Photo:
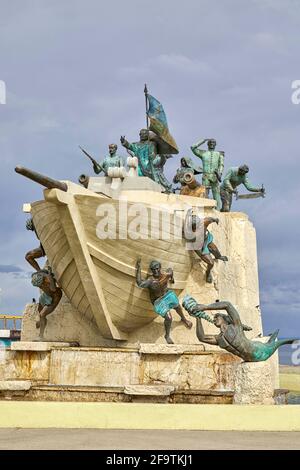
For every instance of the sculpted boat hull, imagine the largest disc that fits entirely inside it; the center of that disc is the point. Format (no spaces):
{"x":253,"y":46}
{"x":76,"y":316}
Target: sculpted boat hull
{"x":98,"y":275}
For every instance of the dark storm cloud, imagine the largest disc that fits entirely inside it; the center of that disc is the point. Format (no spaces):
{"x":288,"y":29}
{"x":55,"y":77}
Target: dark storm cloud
{"x":75,"y":72}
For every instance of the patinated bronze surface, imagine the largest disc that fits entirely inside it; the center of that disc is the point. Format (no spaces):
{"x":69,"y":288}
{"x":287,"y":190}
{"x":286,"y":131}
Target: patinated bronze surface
{"x":232,"y":337}
{"x":49,"y":299}
{"x":191,"y":187}
{"x":213,"y":165}
{"x":162,"y":298}
{"x":151,"y":163}
{"x":234,"y":177}
{"x":112,"y":160}
{"x":196,"y":232}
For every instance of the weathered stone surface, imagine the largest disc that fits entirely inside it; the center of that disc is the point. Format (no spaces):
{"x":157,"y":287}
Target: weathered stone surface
{"x":111,"y":367}
{"x":25,"y":365}
{"x":146,"y":348}
{"x":15,"y":385}
{"x":94,"y":367}
{"x":203,"y":370}
{"x":117,"y":394}
{"x":152,"y":390}
{"x":37,"y":345}
{"x":254,"y":384}
{"x":65,"y":324}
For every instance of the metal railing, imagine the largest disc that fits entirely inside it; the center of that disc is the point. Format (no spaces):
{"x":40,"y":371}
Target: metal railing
{"x":6,"y":321}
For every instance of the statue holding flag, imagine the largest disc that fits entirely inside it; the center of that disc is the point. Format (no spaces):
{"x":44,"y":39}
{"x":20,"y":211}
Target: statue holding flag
{"x":156,"y":144}
{"x":145,"y":150}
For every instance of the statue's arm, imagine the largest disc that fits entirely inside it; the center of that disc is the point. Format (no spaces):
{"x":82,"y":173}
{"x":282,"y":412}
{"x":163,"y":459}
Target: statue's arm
{"x":170,"y":273}
{"x":210,"y":220}
{"x":195,"y":148}
{"x":221,"y":164}
{"x":138,"y":276}
{"x":127,"y":144}
{"x":209,"y":339}
{"x":250,"y":186}
{"x":52,"y":283}
{"x":232,"y":312}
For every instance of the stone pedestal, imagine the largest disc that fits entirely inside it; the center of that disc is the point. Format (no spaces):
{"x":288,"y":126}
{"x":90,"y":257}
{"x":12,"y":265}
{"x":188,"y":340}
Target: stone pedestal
{"x":150,"y":372}
{"x":254,"y":384}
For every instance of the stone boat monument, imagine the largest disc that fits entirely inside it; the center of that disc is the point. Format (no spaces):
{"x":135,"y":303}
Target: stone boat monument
{"x":118,"y":269}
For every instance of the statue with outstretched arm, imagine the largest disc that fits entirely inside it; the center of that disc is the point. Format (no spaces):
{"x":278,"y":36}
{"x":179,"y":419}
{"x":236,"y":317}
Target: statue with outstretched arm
{"x":196,"y":231}
{"x":162,"y":298}
{"x":232,"y":337}
{"x":234,"y":177}
{"x":145,"y":150}
{"x":213,"y":165}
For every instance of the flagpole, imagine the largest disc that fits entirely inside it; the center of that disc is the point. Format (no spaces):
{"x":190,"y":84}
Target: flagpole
{"x":146,"y":104}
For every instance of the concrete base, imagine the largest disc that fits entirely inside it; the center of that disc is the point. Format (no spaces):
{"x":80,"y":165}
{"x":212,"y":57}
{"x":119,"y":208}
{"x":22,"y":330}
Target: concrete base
{"x":39,"y":415}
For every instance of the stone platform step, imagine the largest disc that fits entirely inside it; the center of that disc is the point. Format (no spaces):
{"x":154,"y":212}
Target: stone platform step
{"x":126,"y":394}
{"x":39,"y":345}
{"x":12,"y":389}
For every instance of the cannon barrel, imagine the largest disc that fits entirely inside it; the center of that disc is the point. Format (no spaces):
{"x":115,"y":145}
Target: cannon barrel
{"x":190,"y":180}
{"x":41,"y":179}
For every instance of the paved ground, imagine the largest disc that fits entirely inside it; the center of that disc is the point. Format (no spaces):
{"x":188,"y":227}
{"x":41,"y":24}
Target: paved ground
{"x":77,"y":439}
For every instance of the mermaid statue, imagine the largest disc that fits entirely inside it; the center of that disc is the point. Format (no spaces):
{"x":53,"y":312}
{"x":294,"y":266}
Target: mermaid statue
{"x":232,"y":337}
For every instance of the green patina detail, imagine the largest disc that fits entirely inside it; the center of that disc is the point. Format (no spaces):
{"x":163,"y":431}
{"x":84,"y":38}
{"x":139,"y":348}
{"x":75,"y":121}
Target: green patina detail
{"x":109,"y":162}
{"x":213,"y":165}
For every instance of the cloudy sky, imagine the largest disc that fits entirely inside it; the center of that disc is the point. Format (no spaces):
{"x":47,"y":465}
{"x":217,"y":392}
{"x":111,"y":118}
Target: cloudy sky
{"x":75,"y":70}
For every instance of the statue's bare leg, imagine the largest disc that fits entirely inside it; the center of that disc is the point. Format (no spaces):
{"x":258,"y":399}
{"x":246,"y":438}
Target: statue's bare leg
{"x":186,"y":322}
{"x":168,"y":323}
{"x":40,"y":308}
{"x":215,"y":251}
{"x":45,"y":311}
{"x":226,"y":201}
{"x":210,"y":264}
{"x":42,"y":323}
{"x":32,"y":255}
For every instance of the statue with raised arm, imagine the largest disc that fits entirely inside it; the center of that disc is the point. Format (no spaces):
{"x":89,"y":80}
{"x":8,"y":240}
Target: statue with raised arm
{"x":162,"y":298}
{"x":110,"y":161}
{"x":233,"y":178}
{"x":213,"y":165}
{"x":232,"y":337}
{"x":151,"y":163}
{"x":196,"y":232}
{"x":49,"y":299}
{"x":145,"y":150}
{"x":38,"y":252}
